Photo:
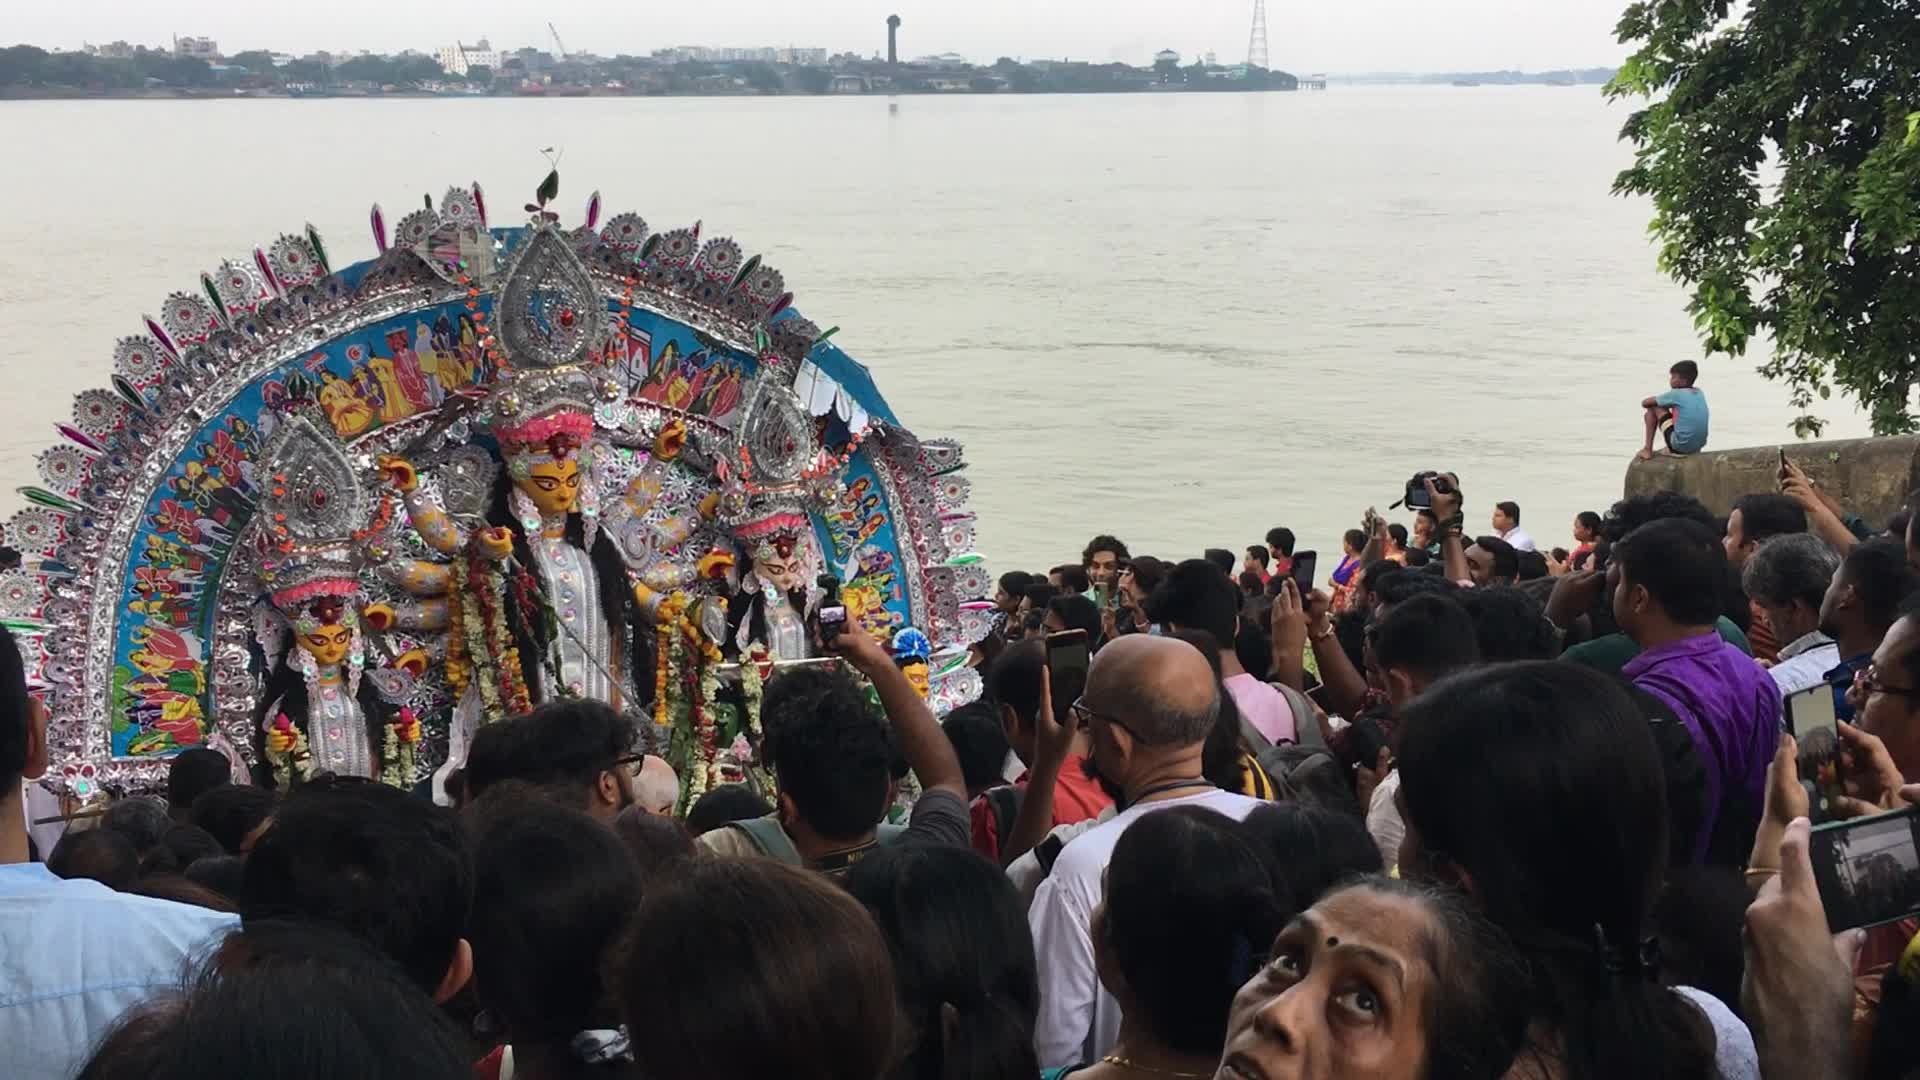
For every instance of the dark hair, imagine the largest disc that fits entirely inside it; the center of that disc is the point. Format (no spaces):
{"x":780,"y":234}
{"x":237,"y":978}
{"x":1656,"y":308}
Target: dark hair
{"x":655,"y":842}
{"x":183,"y":890}
{"x":1221,"y":558}
{"x":1253,"y":644}
{"x":231,"y":812}
{"x":1511,"y":509}
{"x":1561,"y":554}
{"x":1015,"y":582}
{"x":957,"y":932}
{"x":1013,"y":680}
{"x":1532,"y":566}
{"x":1897,"y":524}
{"x":223,"y":874}
{"x":192,"y":773}
{"x":373,"y":860}
{"x":1222,"y":757}
{"x":1417,"y":558}
{"x":979,"y":743}
{"x":15,"y":713}
{"x":1767,"y":515}
{"x":562,"y":747}
{"x":1687,"y":370}
{"x":1405,"y":585}
{"x":1508,"y":625}
{"x":1039,"y":593}
{"x":100,"y":855}
{"x":1377,"y":571}
{"x":1258,"y":553}
{"x":552,"y":889}
{"x":180,"y":847}
{"x":1878,"y":571}
{"x":1430,"y":636}
{"x":1540,"y":783}
{"x":1074,"y":579}
{"x":1630,"y":513}
{"x":1350,"y":630}
{"x":724,"y":804}
{"x":1105,"y":543}
{"x":314,"y":1006}
{"x":1148,"y":573}
{"x":828,"y":749}
{"x":1281,"y":538}
{"x":1355,"y":539}
{"x":1196,"y":597}
{"x":1398,"y":533}
{"x":1681,"y":565}
{"x":1589,"y":521}
{"x":1506,"y":558}
{"x":1250,"y":584}
{"x":1079,"y":613}
{"x":1790,"y":568}
{"x":753,"y":968}
{"x":143,"y":821}
{"x":1190,"y":902}
{"x":1699,"y":915}
{"x":1313,"y":848}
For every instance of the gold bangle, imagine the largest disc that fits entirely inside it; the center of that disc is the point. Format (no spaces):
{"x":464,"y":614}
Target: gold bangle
{"x":1761,"y":871}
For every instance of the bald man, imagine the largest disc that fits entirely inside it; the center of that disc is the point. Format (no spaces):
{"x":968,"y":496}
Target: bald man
{"x":1149,"y":705}
{"x":656,"y":787}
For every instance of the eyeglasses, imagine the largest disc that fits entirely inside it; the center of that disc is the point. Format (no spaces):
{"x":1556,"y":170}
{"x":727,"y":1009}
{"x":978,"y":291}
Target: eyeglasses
{"x":628,"y":761}
{"x":1868,"y":680}
{"x":1083,"y":715}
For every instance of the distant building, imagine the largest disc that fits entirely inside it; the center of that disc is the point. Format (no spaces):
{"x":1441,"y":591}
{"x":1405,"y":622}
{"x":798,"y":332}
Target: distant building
{"x":1166,"y":56}
{"x":459,"y":58}
{"x":197,"y":48}
{"x":802,"y":57}
{"x":119,"y":50}
{"x":848,"y":84}
{"x":944,"y":60}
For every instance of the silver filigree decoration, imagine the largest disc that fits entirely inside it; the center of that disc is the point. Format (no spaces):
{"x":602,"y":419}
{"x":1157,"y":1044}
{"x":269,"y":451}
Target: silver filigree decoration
{"x":98,"y":412}
{"x":20,"y":595}
{"x":137,"y":359}
{"x":550,"y":312}
{"x":63,"y":468}
{"x":34,"y":531}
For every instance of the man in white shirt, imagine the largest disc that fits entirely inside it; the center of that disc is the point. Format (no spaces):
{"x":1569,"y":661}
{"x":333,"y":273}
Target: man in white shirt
{"x":1415,"y":644}
{"x":1149,"y":704}
{"x":1506,"y":525}
{"x":74,"y":955}
{"x":1787,"y":577}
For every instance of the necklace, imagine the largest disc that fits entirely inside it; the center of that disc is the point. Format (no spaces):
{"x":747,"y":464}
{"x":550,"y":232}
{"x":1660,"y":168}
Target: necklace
{"x":1116,"y":1059}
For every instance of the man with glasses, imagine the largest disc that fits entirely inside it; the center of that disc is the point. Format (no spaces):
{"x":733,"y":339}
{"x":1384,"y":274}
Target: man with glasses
{"x":1860,"y":607}
{"x":1149,"y":705}
{"x":577,"y":751}
{"x":1886,"y":693}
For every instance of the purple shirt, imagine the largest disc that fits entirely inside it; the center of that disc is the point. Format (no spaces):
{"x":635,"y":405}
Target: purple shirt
{"x":1730,"y":706}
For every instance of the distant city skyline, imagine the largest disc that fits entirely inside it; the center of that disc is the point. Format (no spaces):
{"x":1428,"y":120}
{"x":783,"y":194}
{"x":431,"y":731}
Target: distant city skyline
{"x":1319,"y":35}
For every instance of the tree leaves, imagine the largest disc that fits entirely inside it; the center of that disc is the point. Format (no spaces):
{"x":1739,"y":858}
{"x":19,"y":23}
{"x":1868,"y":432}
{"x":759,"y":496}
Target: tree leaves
{"x":1781,"y":152}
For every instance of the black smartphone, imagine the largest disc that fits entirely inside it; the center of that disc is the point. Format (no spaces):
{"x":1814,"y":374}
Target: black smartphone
{"x":832,"y":616}
{"x":1814,"y":725}
{"x":1069,"y":655}
{"x":1783,"y":463}
{"x":1868,"y":869}
{"x":1365,"y":740}
{"x":1304,"y":565}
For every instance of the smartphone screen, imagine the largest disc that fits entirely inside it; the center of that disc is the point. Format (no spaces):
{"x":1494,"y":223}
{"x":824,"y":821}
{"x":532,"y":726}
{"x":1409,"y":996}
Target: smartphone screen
{"x":1069,"y":654}
{"x":1304,"y":565}
{"x":1868,"y":869}
{"x":1812,"y":722}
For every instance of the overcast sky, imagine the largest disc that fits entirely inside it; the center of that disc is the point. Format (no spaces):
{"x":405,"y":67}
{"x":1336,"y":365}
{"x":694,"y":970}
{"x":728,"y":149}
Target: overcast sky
{"x":1306,"y":35}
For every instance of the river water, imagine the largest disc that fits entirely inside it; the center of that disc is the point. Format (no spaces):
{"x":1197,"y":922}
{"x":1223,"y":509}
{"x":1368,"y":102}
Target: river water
{"x":1182,"y":318}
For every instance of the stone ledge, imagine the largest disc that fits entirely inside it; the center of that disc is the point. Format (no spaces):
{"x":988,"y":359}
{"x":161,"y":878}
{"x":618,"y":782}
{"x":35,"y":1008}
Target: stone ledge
{"x":1869,"y":477}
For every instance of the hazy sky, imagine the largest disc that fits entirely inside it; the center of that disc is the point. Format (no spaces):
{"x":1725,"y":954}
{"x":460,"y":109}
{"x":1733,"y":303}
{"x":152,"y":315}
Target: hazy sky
{"x":1305,"y":35}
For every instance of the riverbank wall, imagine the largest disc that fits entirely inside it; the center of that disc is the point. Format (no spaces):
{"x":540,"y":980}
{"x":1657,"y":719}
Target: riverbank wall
{"x":1869,"y":477}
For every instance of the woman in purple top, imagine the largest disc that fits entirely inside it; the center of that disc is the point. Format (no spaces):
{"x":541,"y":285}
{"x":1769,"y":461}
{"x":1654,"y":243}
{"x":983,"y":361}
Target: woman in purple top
{"x":1668,"y":599}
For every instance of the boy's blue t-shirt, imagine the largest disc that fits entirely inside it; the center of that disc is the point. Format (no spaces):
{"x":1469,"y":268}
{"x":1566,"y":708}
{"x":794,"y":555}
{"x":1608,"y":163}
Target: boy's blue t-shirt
{"x":1689,"y":407}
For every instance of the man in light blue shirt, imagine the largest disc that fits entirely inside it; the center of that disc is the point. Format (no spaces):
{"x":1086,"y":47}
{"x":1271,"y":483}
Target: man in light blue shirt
{"x":74,"y":955}
{"x":1680,"y":414}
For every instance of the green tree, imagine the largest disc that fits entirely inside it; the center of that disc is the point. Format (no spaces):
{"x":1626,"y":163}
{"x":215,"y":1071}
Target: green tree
{"x":256,"y":61}
{"x":1781,"y":150}
{"x":762,"y":77}
{"x":480,"y":75}
{"x":20,"y":65}
{"x":813,"y":80}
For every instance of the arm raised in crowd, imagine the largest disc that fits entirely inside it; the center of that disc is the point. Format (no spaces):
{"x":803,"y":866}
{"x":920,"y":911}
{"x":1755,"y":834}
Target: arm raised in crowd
{"x":1053,"y":743}
{"x":1290,"y":630}
{"x":1453,"y":549}
{"x":1798,"y":986}
{"x":1823,"y":514}
{"x":924,"y":745}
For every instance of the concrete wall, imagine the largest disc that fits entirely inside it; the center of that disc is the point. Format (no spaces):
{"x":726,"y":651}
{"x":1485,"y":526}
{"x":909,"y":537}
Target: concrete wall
{"x":1869,"y":477}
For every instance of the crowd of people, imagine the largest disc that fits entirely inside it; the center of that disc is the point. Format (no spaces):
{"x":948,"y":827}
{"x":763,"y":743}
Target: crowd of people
{"x":1456,"y":808}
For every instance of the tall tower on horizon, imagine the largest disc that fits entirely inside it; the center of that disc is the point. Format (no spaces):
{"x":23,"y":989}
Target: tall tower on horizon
{"x":1257,"y":40}
{"x":893,"y":41}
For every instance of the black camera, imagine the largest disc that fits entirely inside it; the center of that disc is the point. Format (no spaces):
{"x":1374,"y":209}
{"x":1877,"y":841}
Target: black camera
{"x":1417,"y":497}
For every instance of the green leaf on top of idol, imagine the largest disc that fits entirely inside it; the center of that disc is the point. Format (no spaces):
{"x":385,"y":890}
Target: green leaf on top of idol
{"x":40,"y":496}
{"x":213,"y":295}
{"x":24,"y":626}
{"x":824,"y":335}
{"x":647,"y":246}
{"x":953,"y":663}
{"x":129,"y":392}
{"x":319,"y":249}
{"x":428,"y":199}
{"x":748,"y":267}
{"x":971,"y":558}
{"x":549,"y":188}
{"x":761,"y":342}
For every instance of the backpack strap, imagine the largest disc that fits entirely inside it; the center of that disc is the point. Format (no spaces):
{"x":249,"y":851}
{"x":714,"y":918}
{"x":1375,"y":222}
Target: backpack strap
{"x":769,"y":839}
{"x":1004,"y":804}
{"x":1306,"y":724}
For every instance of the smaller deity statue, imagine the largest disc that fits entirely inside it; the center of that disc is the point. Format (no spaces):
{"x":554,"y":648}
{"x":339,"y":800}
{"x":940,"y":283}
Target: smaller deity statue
{"x":773,"y":601}
{"x":316,"y":713}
